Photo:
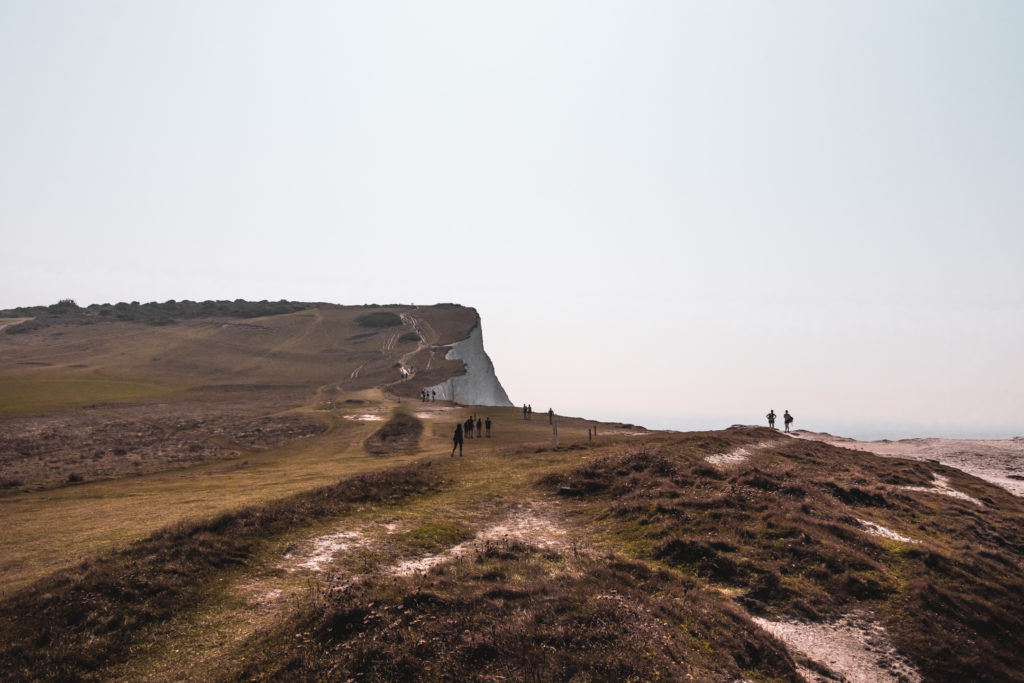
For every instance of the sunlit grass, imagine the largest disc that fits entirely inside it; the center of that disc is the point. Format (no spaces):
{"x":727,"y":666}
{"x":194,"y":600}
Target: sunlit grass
{"x":39,"y":395}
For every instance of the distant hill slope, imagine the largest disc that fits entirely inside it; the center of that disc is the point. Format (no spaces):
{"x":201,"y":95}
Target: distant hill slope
{"x":195,"y":346}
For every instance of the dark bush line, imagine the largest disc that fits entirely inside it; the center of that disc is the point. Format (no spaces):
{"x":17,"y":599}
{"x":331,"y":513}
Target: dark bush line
{"x":784,"y":530}
{"x":152,"y":313}
{"x":66,"y":626}
{"x":503,"y":615}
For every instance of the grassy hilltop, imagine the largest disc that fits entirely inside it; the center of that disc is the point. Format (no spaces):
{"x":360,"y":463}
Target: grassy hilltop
{"x":226,"y":496}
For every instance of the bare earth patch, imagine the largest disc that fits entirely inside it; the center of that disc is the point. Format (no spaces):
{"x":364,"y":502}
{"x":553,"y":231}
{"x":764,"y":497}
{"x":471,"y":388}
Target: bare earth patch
{"x":885,"y":532}
{"x":324,"y":548}
{"x":940,"y":485}
{"x":524,"y":525}
{"x":855,"y":647}
{"x":735,"y":456}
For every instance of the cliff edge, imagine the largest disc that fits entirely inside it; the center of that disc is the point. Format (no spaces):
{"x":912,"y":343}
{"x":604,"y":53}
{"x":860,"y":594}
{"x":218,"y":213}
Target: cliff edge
{"x":479,"y":386}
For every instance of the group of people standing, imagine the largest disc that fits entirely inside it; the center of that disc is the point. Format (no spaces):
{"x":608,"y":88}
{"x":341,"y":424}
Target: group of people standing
{"x":786,"y":418}
{"x":466,"y":429}
{"x":428,"y":395}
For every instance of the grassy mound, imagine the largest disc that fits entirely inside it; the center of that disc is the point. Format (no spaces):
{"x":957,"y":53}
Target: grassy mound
{"x":788,"y":535}
{"x":69,"y":625}
{"x":401,"y":434}
{"x":514,"y":612}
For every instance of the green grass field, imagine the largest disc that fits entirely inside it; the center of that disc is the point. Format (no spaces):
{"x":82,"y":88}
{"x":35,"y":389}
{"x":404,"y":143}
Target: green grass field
{"x":40,"y":395}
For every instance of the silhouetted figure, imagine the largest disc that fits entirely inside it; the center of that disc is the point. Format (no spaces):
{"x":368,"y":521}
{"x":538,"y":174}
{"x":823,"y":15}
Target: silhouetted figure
{"x":787,"y":419}
{"x":479,"y":427}
{"x":433,"y":395}
{"x":457,"y":441}
{"x":771,"y":419}
{"x":529,"y":412}
{"x":487,"y":425}
{"x":551,"y":415}
{"x":524,"y":411}
{"x":469,"y":428}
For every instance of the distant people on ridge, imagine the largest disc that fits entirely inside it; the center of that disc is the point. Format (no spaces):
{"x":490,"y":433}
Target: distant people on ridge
{"x":771,"y":418}
{"x":551,"y":415}
{"x":457,"y":440}
{"x":787,"y":419}
{"x":529,"y":411}
{"x":524,"y":411}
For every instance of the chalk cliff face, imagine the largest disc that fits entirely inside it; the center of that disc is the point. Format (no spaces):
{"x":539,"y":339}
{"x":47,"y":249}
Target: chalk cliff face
{"x":479,"y":386}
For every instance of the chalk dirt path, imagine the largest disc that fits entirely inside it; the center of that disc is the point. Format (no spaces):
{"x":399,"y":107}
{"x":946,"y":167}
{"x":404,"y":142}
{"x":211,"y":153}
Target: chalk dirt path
{"x":736,"y":456}
{"x":856,"y":648}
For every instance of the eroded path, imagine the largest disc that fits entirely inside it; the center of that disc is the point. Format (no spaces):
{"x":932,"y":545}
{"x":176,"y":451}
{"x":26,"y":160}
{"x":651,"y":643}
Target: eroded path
{"x":211,"y":642}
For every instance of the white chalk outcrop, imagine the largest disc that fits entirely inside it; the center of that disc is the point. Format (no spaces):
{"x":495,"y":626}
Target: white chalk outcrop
{"x":479,"y":386}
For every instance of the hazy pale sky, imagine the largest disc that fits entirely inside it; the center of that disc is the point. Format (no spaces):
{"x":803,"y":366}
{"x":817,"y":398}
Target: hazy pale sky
{"x":680,"y":213}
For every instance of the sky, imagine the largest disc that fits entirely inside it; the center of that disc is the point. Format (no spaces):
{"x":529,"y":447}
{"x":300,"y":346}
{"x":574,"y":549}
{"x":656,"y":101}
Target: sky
{"x":681,"y":214}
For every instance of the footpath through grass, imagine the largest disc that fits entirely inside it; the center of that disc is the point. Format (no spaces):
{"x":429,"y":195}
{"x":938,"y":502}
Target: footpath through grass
{"x":630,"y":557}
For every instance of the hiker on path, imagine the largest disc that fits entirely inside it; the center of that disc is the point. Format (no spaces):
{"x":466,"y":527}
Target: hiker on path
{"x":487,"y":424}
{"x":551,"y":415}
{"x":771,"y":419}
{"x":457,"y":441}
{"x":788,"y":419}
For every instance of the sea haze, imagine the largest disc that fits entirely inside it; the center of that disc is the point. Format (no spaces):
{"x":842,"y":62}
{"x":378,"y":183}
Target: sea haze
{"x":855,"y":429}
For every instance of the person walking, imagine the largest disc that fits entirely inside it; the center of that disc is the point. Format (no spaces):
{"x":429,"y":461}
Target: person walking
{"x":487,"y":425}
{"x":787,"y":419}
{"x":771,"y":419}
{"x":457,"y":440}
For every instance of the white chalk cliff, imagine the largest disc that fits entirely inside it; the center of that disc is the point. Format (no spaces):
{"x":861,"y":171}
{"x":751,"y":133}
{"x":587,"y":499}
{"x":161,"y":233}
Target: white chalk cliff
{"x":479,"y":386}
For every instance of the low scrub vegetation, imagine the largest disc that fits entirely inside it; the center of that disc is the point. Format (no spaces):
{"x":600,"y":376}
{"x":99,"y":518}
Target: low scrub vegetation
{"x":784,"y":531}
{"x":152,"y":313}
{"x":628,"y":557}
{"x":510,"y":611}
{"x":69,"y":625}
